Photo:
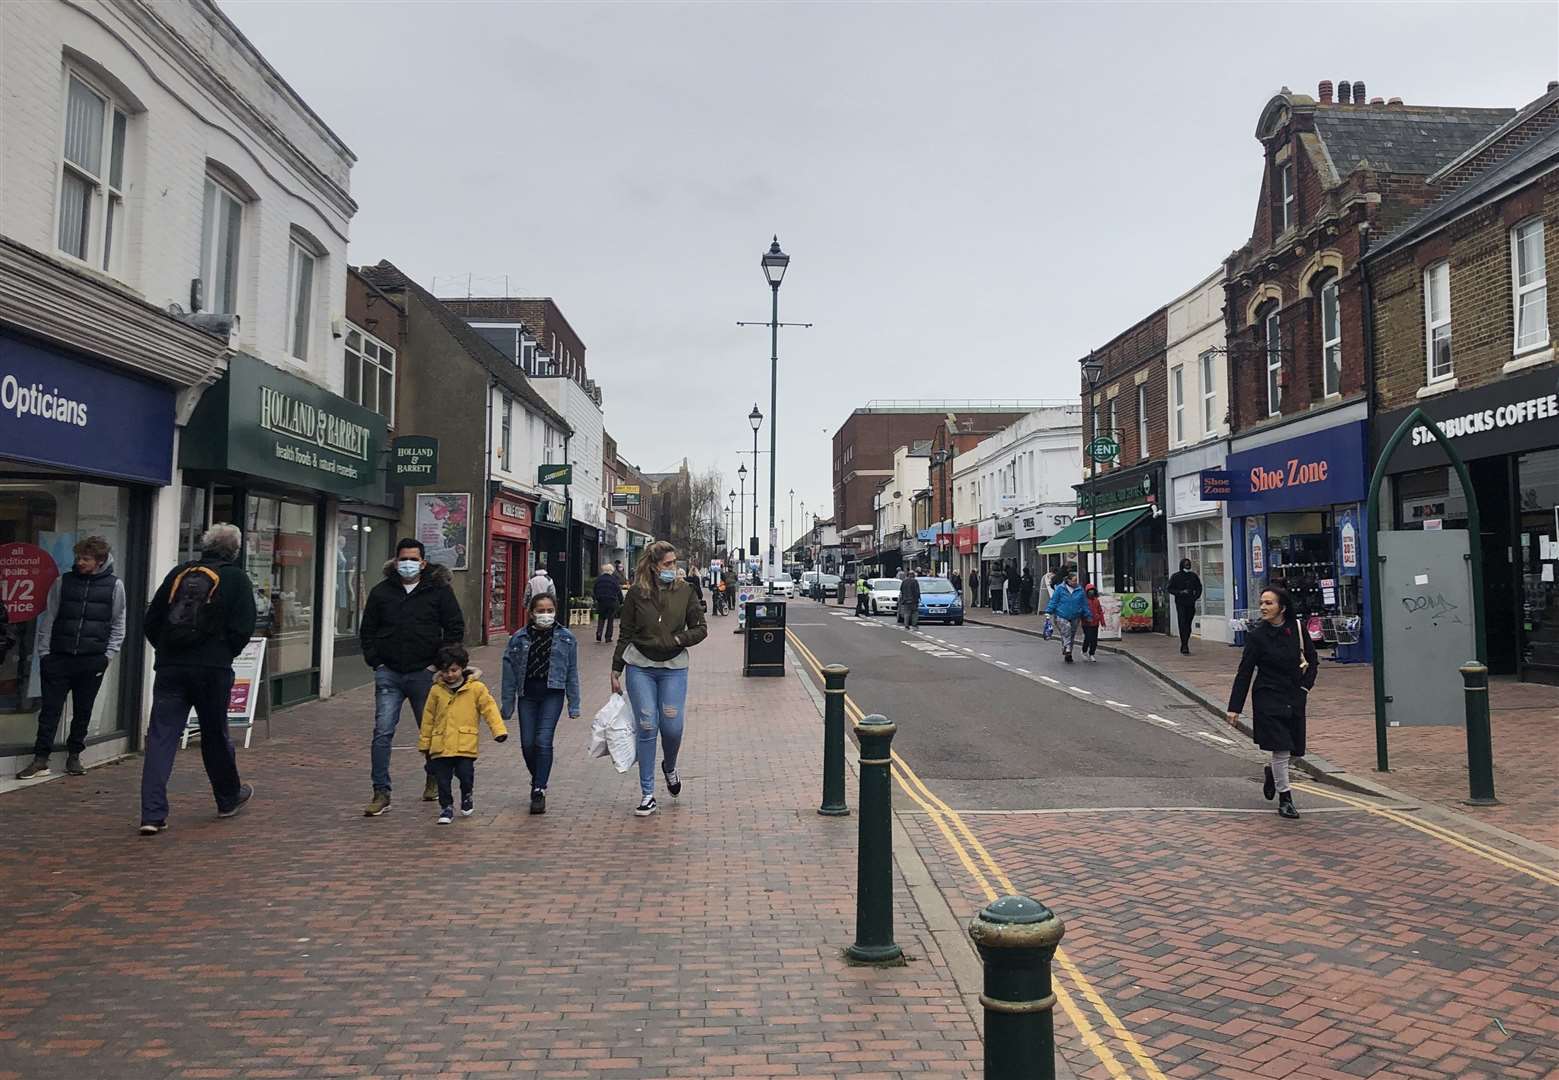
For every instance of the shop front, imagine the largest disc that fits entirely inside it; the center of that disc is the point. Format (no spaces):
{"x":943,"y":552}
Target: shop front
{"x":549,"y":540}
{"x":292,"y":465}
{"x":1296,"y":511}
{"x":1199,"y":531}
{"x":84,"y":450}
{"x":1508,"y":435}
{"x":1119,"y":529}
{"x":509,"y":520}
{"x":1036,"y":525}
{"x":996,"y":554}
{"x":966,"y":545}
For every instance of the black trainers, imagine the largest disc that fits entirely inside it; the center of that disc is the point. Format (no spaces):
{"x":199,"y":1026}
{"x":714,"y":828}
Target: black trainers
{"x":673,"y":780}
{"x":446,"y":815}
{"x":1286,"y":805}
{"x":646,"y":807}
{"x":245,"y":793}
{"x":39,"y":767}
{"x":74,"y":767}
{"x":538,"y":801}
{"x":1269,"y":786}
{"x":467,"y":806}
{"x":152,"y":828}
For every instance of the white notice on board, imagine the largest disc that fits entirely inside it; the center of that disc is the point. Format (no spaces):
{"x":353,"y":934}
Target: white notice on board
{"x":1548,"y":571}
{"x":1420,"y":579}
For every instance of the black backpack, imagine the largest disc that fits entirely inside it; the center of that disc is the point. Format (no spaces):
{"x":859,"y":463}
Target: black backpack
{"x":193,"y":611}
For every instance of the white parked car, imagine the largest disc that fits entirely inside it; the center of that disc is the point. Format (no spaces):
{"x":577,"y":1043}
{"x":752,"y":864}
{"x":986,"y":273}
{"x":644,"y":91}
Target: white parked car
{"x":883,"y":595}
{"x":782,"y":587}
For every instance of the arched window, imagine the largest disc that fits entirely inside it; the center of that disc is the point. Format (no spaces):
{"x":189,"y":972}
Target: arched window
{"x":1272,"y":353}
{"x":1331,"y":334}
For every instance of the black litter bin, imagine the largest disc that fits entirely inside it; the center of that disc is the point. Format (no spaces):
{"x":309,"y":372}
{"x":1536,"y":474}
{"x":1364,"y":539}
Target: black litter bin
{"x":764,"y":651}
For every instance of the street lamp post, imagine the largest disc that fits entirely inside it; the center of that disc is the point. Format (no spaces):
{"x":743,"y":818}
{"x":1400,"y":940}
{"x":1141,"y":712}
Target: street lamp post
{"x":1093,"y":371}
{"x":792,"y":519}
{"x":755,"y":418}
{"x":741,"y":505}
{"x":774,"y":262}
{"x":730,"y":521}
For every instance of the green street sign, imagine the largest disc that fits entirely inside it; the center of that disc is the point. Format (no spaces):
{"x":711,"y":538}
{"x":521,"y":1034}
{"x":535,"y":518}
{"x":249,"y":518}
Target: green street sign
{"x":413,"y":460}
{"x":1104,"y":448}
{"x":555,"y":474}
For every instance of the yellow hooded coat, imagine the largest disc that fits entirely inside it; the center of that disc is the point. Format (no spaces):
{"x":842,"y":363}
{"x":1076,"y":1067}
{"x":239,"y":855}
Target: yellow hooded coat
{"x":449,"y":720}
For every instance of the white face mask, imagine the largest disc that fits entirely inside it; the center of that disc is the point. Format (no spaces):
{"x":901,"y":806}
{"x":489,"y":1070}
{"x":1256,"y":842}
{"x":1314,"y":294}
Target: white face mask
{"x":408,"y":568}
{"x":543,"y":619}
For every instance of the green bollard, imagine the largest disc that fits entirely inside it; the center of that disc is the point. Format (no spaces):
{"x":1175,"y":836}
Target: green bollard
{"x":833,"y":742}
{"x":874,"y":854}
{"x":1016,"y":937}
{"x":1480,"y":742}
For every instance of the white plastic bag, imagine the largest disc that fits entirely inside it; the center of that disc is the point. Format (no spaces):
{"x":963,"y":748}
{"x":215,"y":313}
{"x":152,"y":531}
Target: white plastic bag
{"x":612,"y":734}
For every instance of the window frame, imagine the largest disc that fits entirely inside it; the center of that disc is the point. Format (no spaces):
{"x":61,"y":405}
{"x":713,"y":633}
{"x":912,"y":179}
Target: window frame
{"x":1289,"y":199}
{"x":1431,"y":324}
{"x":1331,"y":285}
{"x":208,"y":219}
{"x":1142,"y":421}
{"x":1209,"y":372}
{"x":506,"y":433}
{"x":362,"y":360}
{"x":104,"y":222}
{"x":1518,"y":291}
{"x":1114,"y":428}
{"x":1272,"y":345}
{"x":1177,"y":400}
{"x":296,"y":252}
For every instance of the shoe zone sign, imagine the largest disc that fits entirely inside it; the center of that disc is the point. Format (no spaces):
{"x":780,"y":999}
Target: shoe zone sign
{"x":59,"y":409}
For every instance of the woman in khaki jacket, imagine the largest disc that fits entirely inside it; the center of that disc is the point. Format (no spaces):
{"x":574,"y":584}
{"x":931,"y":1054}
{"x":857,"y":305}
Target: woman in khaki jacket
{"x":661,"y":620}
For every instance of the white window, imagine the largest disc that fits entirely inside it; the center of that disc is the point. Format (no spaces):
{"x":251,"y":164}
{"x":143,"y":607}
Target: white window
{"x":1273,"y":332}
{"x":1289,"y":204}
{"x":1529,"y":272}
{"x":1437,"y":321}
{"x":552,"y":445}
{"x":220,"y":239}
{"x":506,"y":432}
{"x":300,"y":300}
{"x":91,"y":225}
{"x":1142,"y":420}
{"x":1209,"y":394}
{"x":1331,"y":340}
{"x":370,"y":373}
{"x":528,"y":354}
{"x":1114,"y":429}
{"x":1177,"y":386}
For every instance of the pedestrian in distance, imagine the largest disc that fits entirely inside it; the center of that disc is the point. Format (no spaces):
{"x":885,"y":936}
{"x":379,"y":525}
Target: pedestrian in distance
{"x":956,"y":580}
{"x":909,"y":601}
{"x":540,"y":582}
{"x":199,"y":619}
{"x":661,"y":622}
{"x":696,"y":585}
{"x":1014,"y":588}
{"x":1067,"y":604}
{"x":79,"y":633}
{"x":1277,"y":669}
{"x":608,"y":595}
{"x":1093,"y":618}
{"x":1026,"y":591}
{"x":448,"y":731}
{"x":974,"y":588}
{"x":1186,"y":588}
{"x":622,"y":577}
{"x":409,"y":616}
{"x":863,"y":597}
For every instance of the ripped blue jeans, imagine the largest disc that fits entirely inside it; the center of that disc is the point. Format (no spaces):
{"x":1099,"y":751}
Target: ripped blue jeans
{"x":659,"y":698}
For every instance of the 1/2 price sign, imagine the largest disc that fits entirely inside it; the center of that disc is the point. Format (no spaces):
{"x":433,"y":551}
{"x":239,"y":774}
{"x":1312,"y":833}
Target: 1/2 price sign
{"x":26,"y":573}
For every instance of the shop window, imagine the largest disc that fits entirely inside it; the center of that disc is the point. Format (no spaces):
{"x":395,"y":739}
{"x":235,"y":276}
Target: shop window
{"x":1331,"y":340}
{"x":1529,"y":275}
{"x":1272,"y":336}
{"x":279,"y":555}
{"x":1177,"y":389}
{"x":1437,"y":321}
{"x":369,"y":376}
{"x":92,"y":207}
{"x":1202,"y":543}
{"x":53,"y":515}
{"x":300,"y":299}
{"x":220,"y":241}
{"x":1433,"y":495}
{"x":362,"y":549}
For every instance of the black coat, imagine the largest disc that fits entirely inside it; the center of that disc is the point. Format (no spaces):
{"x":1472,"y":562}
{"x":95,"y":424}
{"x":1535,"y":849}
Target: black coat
{"x":403,"y":630}
{"x":1270,"y":672}
{"x":608,"y":593}
{"x":235,"y":598}
{"x":1185,"y":587}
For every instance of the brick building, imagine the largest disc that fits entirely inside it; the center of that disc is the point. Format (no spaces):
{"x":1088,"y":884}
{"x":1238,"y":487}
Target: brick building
{"x":1339,"y":169}
{"x":1462,"y":327}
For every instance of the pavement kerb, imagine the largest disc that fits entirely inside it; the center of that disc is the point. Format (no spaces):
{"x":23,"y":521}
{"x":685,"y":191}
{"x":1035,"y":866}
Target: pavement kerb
{"x":950,"y":935}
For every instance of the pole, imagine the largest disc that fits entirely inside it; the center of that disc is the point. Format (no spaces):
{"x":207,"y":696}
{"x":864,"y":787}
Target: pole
{"x":741,"y":502}
{"x":1480,"y":745}
{"x":755,"y":488}
{"x":1016,"y":938}
{"x":773,"y":414}
{"x":874,"y":942}
{"x":833,"y":741}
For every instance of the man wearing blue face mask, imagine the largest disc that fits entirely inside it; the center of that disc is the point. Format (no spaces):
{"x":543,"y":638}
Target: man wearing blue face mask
{"x":408,"y":617}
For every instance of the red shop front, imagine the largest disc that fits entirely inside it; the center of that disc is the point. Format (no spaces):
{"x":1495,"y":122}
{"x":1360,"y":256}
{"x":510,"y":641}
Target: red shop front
{"x":508,"y":563}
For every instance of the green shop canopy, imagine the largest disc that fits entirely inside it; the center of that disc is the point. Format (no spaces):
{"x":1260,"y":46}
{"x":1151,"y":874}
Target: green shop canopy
{"x":1078,"y":536}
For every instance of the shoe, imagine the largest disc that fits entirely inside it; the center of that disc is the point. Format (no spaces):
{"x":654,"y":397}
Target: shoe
{"x":245,"y":793}
{"x":379,"y":804}
{"x":1067,"y":657}
{"x":152,"y":828}
{"x":467,"y":806}
{"x":1184,"y":651}
{"x":646,"y":807}
{"x":73,"y":765}
{"x":673,"y":780}
{"x":1269,"y":786}
{"x":1091,"y":658}
{"x":446,"y":815}
{"x":430,"y":790}
{"x":538,"y":801}
{"x":1286,"y":805}
{"x":39,"y":767}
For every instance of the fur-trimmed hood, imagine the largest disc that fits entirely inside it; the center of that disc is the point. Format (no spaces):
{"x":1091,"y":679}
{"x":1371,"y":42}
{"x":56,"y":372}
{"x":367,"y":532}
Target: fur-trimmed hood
{"x":433,"y":573}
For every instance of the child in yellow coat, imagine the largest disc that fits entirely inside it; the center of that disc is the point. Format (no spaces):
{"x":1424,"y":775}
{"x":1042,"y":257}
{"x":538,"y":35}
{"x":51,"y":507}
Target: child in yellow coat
{"x":449,"y":728}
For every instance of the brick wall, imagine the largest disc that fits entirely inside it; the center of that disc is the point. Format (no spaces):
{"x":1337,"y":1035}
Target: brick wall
{"x":1133,"y":358}
{"x":541,"y":316}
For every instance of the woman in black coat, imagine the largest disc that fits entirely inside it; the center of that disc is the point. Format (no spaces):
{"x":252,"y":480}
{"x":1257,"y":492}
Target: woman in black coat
{"x":1277,"y":669}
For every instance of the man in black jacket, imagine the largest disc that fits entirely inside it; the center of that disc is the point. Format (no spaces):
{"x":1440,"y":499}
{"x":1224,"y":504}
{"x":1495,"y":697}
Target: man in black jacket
{"x":409,"y":615}
{"x":200,"y":618}
{"x":608,"y":599}
{"x":1186,"y":588}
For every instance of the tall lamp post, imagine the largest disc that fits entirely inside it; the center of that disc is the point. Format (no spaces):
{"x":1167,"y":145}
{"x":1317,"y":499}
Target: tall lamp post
{"x":755,"y":418}
{"x":941,"y":459}
{"x":741,"y":506}
{"x":791,"y":528}
{"x":774,"y":263}
{"x":1093,"y":371}
{"x":730,"y":521}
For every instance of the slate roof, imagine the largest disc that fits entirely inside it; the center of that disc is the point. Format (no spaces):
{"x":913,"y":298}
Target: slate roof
{"x":1401,"y":139}
{"x":387,"y":275}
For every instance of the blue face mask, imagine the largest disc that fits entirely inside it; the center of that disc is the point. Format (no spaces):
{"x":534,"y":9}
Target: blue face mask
{"x":667,"y":576}
{"x":408,"y":568}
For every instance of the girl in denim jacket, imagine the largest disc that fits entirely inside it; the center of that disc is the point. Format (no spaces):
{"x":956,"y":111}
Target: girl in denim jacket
{"x":540,"y":668}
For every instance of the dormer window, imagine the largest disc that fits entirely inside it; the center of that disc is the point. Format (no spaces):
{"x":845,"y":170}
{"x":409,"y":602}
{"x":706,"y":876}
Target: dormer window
{"x":1290,"y":205}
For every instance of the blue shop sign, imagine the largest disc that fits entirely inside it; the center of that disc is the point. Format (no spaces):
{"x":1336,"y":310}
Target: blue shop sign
{"x":61,"y":410}
{"x":1304,"y":473}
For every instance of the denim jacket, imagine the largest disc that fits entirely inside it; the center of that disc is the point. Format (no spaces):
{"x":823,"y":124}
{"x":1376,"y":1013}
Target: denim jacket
{"x":562,"y":673}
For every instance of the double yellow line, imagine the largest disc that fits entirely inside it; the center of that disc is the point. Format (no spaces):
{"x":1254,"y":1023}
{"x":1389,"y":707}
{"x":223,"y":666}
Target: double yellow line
{"x":969,"y":849}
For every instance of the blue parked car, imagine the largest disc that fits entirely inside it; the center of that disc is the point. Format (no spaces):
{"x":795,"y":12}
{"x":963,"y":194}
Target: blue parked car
{"x":939,"y":601}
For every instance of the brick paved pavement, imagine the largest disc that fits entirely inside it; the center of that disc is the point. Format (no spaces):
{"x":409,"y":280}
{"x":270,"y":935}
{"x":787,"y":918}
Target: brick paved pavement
{"x":1427,"y":763}
{"x":303,"y":940}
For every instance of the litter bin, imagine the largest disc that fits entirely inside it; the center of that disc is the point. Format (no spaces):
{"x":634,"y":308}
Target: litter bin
{"x":764,"y":651}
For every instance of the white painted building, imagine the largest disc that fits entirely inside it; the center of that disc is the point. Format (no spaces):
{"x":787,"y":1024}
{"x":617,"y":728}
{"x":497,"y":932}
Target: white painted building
{"x":895,"y":505}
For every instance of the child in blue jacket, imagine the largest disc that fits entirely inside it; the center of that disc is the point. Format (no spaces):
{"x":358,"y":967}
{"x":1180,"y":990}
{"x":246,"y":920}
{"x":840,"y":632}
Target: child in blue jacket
{"x":540,"y":668}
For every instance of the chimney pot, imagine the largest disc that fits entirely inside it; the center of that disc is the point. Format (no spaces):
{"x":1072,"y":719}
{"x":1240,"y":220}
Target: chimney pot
{"x":1377,"y":101}
{"x":1358,"y":92}
{"x":1395,"y":102}
{"x":1324,"y":91}
{"x":1344,"y":92}
{"x":1553,"y":85}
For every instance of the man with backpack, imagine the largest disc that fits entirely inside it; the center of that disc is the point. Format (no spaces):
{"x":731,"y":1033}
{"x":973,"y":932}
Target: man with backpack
{"x":200,"y":618}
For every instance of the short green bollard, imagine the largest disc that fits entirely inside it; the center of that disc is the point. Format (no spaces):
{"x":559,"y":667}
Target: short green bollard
{"x":1016,"y":937}
{"x":874,"y":942}
{"x":833,"y":741}
{"x":1480,"y":740}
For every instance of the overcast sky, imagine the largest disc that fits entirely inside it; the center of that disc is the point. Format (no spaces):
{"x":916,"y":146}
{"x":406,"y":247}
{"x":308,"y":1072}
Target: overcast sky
{"x":971,"y":194}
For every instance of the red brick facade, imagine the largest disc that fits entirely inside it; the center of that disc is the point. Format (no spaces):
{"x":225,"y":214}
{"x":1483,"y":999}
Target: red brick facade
{"x":1134,"y":368}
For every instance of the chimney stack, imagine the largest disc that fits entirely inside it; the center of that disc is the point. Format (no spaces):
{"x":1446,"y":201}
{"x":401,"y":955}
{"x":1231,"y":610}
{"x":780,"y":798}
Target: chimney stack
{"x":1552,"y":86}
{"x":1344,"y":92}
{"x":1395,"y":103}
{"x":1324,"y":92}
{"x":1358,"y":92}
{"x":1377,"y":101}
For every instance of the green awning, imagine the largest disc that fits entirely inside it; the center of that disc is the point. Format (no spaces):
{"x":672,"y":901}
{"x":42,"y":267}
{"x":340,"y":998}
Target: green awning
{"x":1079,"y":535}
